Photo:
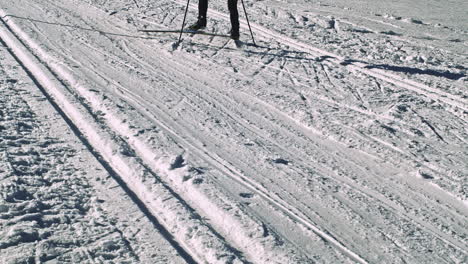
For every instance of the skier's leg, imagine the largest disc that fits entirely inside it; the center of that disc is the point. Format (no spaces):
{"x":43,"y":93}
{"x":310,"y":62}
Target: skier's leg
{"x":202,"y":10}
{"x":232,"y":6}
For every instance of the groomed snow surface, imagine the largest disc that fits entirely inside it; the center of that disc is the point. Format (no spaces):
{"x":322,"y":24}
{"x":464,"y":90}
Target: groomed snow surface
{"x":341,"y":137}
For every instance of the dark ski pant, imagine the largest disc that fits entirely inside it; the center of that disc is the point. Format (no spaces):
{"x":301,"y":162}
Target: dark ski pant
{"x":232,"y":5}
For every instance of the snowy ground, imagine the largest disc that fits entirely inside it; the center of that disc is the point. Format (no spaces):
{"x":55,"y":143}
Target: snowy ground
{"x":340,"y":138}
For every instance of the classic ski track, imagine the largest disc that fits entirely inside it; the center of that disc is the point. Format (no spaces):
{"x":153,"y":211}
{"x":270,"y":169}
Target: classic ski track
{"x":254,"y":186}
{"x":138,"y":147}
{"x":369,"y":192}
{"x":238,"y":176}
{"x":287,"y":117}
{"x":435,"y":232}
{"x":45,"y":76}
{"x":218,"y":157}
{"x":228,"y":168}
{"x":318,"y":133}
{"x":337,"y":60}
{"x":425,"y":90}
{"x":330,"y":101}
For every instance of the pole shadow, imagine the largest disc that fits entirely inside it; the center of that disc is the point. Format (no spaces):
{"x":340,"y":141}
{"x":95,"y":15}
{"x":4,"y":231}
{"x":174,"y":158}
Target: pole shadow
{"x":79,"y":28}
{"x":410,"y":70}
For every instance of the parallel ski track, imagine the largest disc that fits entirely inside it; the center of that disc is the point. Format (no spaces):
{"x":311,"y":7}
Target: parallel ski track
{"x":251,"y":185}
{"x":234,"y":173}
{"x":48,"y":80}
{"x":33,"y":71}
{"x":331,"y":102}
{"x":141,"y":149}
{"x":338,"y":61}
{"x":383,"y":75}
{"x":230,"y":170}
{"x":376,"y":73}
{"x":273,"y":198}
{"x":156,"y":113}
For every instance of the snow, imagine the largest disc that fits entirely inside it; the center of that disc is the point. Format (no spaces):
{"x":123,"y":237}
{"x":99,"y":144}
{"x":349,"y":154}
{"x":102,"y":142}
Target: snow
{"x":339,"y":138}
{"x":54,"y":204}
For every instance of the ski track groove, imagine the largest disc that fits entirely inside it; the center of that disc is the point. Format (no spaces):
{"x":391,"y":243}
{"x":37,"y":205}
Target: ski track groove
{"x":369,"y":113}
{"x":214,"y":160}
{"x":33,"y":71}
{"x":374,"y":73}
{"x":372,"y":194}
{"x":32,"y":74}
{"x":428,"y":124}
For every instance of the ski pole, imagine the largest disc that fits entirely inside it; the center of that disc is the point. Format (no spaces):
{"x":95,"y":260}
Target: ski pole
{"x":183,"y":23}
{"x":248,"y":23}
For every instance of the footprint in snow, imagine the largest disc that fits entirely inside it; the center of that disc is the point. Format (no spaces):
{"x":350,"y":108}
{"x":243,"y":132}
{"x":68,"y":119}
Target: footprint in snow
{"x":280,"y":161}
{"x":246,"y":195}
{"x":425,"y":175}
{"x":177,"y":162}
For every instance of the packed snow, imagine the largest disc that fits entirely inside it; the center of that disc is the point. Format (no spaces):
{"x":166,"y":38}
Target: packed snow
{"x":338,"y":136}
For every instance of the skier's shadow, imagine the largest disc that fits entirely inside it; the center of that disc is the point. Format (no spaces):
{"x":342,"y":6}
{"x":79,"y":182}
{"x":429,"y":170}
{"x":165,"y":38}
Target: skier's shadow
{"x":298,"y":55}
{"x":78,"y":27}
{"x":412,"y":70}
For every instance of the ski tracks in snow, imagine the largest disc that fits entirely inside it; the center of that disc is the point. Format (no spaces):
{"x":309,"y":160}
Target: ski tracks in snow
{"x":199,"y":240}
{"x":273,"y":128}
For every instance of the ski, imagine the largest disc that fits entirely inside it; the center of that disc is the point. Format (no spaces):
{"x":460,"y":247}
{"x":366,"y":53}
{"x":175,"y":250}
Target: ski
{"x":184,"y":32}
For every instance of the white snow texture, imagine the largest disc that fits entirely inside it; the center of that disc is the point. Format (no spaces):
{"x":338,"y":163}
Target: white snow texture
{"x":337,"y":135}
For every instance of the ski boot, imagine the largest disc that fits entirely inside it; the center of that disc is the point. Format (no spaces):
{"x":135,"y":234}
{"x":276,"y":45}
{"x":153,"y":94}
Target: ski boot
{"x":235,"y":34}
{"x":200,"y":24}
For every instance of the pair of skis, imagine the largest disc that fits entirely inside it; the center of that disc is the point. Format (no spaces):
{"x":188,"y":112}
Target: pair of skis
{"x":239,"y":44}
{"x":200,"y":32}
